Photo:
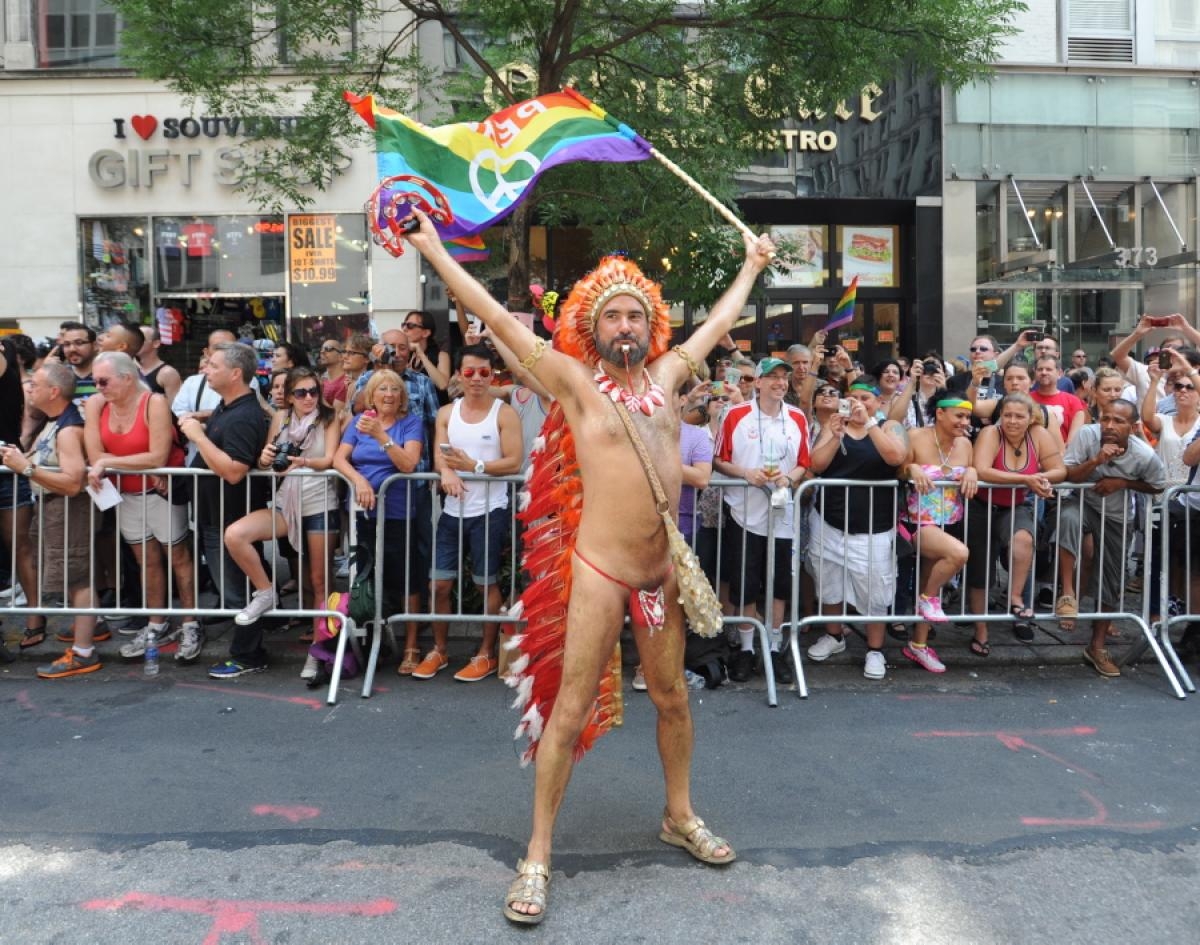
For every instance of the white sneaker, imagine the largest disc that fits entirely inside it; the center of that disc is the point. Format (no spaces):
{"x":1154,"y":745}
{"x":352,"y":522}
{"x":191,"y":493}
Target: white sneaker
{"x":14,"y":595}
{"x":639,"y":680}
{"x":876,"y":665}
{"x":260,"y":603}
{"x":135,"y":649}
{"x":826,"y":647}
{"x":310,"y":668}
{"x":191,"y":642}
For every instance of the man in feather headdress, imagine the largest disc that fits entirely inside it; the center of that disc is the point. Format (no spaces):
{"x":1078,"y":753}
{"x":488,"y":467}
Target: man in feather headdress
{"x":592,"y":562}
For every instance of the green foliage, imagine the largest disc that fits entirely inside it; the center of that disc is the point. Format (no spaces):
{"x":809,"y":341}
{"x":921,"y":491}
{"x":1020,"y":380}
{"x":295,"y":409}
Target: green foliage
{"x":701,"y":81}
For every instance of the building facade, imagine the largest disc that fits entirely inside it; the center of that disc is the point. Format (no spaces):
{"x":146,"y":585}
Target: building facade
{"x":123,"y":202}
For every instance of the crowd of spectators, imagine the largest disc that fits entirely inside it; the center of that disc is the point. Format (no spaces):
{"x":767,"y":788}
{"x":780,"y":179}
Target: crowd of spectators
{"x":983,"y":448}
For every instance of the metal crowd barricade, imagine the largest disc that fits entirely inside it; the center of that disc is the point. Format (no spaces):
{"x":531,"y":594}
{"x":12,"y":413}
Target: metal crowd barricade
{"x":414,"y":484}
{"x":111,"y":543}
{"x":1051,"y":526}
{"x":1172,"y":507}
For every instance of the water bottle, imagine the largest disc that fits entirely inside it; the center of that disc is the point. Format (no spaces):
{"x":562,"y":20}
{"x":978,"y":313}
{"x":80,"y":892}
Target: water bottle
{"x":151,"y":665}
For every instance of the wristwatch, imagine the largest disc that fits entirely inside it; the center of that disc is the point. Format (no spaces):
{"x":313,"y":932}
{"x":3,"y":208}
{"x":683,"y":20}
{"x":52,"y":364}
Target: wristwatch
{"x":871,"y":424}
{"x":479,"y":467}
{"x":27,"y":472}
{"x":388,"y":444}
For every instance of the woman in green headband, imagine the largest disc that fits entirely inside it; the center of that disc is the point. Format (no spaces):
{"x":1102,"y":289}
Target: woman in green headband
{"x":940,"y":452}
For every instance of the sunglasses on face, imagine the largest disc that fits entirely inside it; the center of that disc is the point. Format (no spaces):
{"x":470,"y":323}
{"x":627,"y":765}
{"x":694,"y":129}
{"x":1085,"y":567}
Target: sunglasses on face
{"x":304,"y":392}
{"x":719,"y":398}
{"x":1185,"y":386}
{"x":827,"y":392}
{"x":980,"y":349}
{"x":481,"y":371}
{"x":411,"y":325}
{"x":103,"y":382}
{"x":332,"y":351}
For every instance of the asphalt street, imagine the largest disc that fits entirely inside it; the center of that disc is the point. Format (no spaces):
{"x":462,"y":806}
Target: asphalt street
{"x":1004,"y":804}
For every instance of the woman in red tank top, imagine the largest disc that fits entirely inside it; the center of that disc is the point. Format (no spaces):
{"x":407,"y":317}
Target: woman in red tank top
{"x":1016,"y":451}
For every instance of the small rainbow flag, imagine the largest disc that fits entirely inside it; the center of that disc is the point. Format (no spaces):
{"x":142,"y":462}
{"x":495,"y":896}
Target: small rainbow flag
{"x":474,"y":173}
{"x":468,"y":249}
{"x":843,"y":313}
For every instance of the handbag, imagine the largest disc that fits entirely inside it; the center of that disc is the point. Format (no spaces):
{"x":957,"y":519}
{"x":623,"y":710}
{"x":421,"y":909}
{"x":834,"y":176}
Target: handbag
{"x":696,"y":594}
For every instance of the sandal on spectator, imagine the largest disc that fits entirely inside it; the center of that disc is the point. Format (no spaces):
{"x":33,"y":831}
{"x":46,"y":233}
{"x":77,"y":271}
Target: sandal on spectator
{"x":697,"y":839}
{"x":1024,"y":626}
{"x":1067,"y":609}
{"x":980,"y":647}
{"x":33,"y":636}
{"x":531,"y":888}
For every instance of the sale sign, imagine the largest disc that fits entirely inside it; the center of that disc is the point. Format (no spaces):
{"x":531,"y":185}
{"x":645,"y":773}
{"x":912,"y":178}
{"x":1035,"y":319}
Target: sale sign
{"x":312,"y":244}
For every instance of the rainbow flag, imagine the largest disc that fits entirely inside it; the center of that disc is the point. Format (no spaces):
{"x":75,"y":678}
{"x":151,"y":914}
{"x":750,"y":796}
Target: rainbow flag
{"x":474,"y":173}
{"x":468,"y":249}
{"x":843,"y":313}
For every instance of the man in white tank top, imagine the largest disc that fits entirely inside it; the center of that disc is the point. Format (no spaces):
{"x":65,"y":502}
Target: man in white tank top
{"x":477,"y":436}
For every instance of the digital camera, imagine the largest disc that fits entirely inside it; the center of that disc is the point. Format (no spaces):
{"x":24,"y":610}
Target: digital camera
{"x":844,"y":405}
{"x":283,"y":452}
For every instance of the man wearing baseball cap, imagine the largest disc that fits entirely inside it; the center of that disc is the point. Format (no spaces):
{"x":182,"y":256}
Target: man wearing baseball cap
{"x":764,"y":442}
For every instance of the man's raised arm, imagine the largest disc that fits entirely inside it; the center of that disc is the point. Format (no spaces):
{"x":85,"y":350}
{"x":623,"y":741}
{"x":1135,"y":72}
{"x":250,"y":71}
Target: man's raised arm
{"x":728,"y":307}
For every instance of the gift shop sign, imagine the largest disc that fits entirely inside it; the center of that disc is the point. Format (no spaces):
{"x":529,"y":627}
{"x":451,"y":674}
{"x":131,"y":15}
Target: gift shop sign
{"x":312,"y":238}
{"x":151,"y":149}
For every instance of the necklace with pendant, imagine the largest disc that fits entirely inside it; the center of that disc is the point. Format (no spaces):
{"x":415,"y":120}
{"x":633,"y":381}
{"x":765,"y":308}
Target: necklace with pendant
{"x":941,"y":455}
{"x":646,"y":402}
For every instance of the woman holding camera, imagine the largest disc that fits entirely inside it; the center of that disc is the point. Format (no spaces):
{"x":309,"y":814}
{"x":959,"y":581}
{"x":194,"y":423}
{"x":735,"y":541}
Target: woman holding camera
{"x":924,"y":379}
{"x":302,"y":440}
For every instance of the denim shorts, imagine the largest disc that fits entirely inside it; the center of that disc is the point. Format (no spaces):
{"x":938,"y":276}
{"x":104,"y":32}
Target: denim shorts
{"x":330,"y":521}
{"x":24,"y":496}
{"x":483,"y":538}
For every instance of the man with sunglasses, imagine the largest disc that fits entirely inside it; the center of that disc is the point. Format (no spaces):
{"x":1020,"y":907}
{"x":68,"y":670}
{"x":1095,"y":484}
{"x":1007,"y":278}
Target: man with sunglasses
{"x":480,"y":435}
{"x":981,"y":382}
{"x":333,"y":373}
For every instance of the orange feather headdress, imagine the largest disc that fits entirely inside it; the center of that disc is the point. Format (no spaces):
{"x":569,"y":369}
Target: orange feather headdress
{"x":574,"y":333}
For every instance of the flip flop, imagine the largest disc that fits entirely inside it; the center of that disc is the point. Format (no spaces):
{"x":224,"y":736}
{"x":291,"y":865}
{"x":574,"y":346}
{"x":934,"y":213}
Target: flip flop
{"x":980,"y":647}
{"x":34,"y":636}
{"x":1024,"y":626}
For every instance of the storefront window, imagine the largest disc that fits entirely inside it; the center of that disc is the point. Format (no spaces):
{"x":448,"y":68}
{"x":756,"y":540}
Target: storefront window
{"x":1041,"y":224}
{"x":1115,"y":204}
{"x":116,"y":278}
{"x":987,"y":230}
{"x":234,"y":255}
{"x":327,"y":265}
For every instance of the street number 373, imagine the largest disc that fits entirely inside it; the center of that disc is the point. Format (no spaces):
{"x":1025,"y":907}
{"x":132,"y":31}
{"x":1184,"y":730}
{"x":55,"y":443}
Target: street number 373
{"x":1134,"y":257}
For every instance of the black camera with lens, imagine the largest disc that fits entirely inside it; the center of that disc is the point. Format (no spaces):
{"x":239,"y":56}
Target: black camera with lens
{"x":931,"y":366}
{"x":388,"y":354}
{"x":1034,"y":335}
{"x":283,"y":452}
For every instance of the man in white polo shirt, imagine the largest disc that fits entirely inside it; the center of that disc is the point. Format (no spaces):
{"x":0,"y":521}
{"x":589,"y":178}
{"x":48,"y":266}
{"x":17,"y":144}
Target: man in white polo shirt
{"x":764,"y":442}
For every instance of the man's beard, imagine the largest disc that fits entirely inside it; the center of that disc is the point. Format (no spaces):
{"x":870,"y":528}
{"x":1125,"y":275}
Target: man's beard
{"x":613,"y":352}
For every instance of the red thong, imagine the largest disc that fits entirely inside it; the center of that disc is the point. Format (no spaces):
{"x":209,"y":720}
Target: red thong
{"x":646,"y":608}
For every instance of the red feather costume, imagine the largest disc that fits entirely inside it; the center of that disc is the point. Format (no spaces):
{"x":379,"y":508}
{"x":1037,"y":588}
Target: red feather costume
{"x":553,"y":505}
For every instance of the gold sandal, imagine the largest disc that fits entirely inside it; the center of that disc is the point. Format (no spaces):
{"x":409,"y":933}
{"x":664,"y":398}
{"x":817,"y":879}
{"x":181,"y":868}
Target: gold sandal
{"x":697,"y":839}
{"x":412,"y":659}
{"x":530,"y":887}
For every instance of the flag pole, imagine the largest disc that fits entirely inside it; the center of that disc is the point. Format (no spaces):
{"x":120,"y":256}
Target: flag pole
{"x":726,"y":214}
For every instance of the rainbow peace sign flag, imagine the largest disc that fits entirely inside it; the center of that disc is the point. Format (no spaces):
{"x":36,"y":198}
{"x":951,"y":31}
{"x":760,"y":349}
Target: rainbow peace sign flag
{"x":469,"y":175}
